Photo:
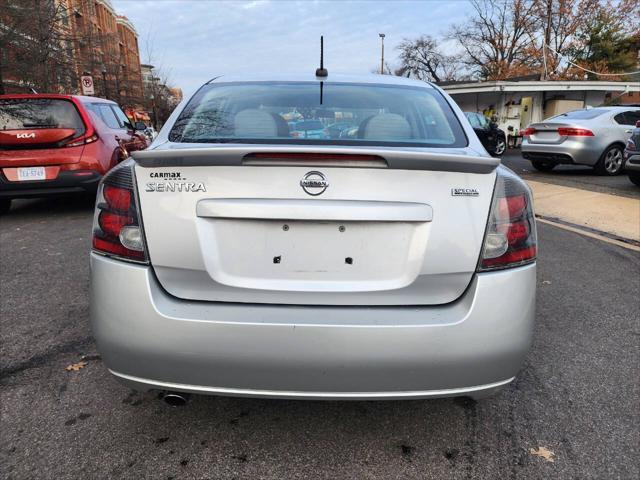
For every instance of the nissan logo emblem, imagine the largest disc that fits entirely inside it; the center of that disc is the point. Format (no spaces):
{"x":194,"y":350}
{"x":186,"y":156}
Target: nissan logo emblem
{"x":314,"y":183}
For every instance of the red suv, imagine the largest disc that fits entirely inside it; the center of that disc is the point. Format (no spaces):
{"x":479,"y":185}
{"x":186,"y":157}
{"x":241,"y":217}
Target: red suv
{"x":53,"y":144}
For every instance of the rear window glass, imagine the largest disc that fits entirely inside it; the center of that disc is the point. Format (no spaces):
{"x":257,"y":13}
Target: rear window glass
{"x":29,"y":114}
{"x":583,"y":114}
{"x":319,"y":113}
{"x":307,"y":125}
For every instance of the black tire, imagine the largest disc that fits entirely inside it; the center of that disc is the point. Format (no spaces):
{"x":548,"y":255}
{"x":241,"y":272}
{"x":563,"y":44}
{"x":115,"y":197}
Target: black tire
{"x":542,"y":165}
{"x":635,"y":178}
{"x":5,"y":205}
{"x":611,"y":161}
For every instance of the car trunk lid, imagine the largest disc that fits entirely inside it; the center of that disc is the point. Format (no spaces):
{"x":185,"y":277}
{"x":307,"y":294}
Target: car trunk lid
{"x":406,"y":229}
{"x":36,"y":130}
{"x":546,"y":133}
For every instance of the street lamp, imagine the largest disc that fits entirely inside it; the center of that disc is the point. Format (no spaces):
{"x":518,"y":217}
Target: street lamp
{"x":381,"y":35}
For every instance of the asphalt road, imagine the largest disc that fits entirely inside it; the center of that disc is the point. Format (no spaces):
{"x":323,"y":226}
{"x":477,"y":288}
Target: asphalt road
{"x":576,"y":176}
{"x":578,"y":394}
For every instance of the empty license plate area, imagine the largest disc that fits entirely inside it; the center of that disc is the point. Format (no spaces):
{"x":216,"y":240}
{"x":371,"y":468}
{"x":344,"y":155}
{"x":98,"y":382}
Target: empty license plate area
{"x":313,"y":255}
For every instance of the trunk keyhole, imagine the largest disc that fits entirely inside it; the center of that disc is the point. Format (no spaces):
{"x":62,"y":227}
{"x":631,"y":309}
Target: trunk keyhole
{"x":277,"y":259}
{"x":348,"y":261}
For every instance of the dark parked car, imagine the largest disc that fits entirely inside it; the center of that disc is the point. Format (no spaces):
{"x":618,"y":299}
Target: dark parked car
{"x":493,"y":138}
{"x":632,"y":156}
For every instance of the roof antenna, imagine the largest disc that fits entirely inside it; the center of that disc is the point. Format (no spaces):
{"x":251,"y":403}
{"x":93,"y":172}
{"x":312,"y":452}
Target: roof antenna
{"x":321,"y":72}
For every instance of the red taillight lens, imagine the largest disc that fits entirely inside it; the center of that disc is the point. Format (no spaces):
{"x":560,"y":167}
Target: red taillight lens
{"x":112,"y":223}
{"x":512,"y":207}
{"x":574,"y":132}
{"x":117,"y":198}
{"x":85,"y":139}
{"x":510,"y":239}
{"x":631,"y":145}
{"x":527,"y":132}
{"x":117,"y":230}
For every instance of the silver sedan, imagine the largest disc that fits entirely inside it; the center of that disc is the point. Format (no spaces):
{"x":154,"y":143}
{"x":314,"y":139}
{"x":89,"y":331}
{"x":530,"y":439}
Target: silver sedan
{"x":592,"y":136}
{"x":234,"y":258}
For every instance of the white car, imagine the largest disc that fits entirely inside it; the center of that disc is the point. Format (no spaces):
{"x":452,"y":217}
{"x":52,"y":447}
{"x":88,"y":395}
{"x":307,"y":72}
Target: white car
{"x":232,"y":258}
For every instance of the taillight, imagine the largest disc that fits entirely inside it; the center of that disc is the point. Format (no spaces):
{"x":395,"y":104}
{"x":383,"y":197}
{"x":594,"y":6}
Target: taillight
{"x":574,"y":132}
{"x":510,"y":239}
{"x":117,"y":229}
{"x":631,"y":145}
{"x":83,"y":140}
{"x":527,"y":132}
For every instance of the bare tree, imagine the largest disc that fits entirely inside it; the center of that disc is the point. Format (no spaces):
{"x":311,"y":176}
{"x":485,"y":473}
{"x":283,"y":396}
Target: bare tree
{"x":157,"y":91}
{"x":422,"y":58}
{"x":37,"y":45}
{"x":497,"y":39}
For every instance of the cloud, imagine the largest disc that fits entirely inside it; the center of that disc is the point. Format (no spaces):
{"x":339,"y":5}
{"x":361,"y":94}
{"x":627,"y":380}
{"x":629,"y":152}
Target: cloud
{"x":254,"y":4}
{"x":197,"y":40}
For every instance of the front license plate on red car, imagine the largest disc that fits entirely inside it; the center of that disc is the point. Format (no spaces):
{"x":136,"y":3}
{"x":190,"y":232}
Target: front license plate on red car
{"x":31,"y":173}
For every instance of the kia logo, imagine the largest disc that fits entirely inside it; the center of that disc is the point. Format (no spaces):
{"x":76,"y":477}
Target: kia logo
{"x":25,"y":135}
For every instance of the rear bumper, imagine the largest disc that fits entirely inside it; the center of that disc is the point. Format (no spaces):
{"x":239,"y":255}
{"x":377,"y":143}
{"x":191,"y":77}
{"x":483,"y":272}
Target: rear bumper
{"x":580,"y":152}
{"x":67,"y":181}
{"x":150,"y":340}
{"x":632,"y":162}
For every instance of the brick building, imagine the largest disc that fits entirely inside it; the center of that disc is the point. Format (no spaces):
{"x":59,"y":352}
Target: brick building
{"x":89,"y":38}
{"x":107,"y":49}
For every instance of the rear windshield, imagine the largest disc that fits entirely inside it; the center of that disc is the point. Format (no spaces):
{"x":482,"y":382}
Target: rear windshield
{"x":583,"y":114}
{"x":319,"y":113}
{"x":32,"y":113}
{"x":307,"y":125}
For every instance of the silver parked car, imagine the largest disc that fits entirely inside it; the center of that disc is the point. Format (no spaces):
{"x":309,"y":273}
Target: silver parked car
{"x":592,"y":136}
{"x":232,"y":258}
{"x":632,"y":156}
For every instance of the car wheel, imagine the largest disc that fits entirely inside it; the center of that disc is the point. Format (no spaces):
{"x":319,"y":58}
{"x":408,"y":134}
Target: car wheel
{"x":5,"y":205}
{"x":635,"y":178}
{"x":610,"y":162}
{"x":543,"y":166}
{"x":501,"y":146}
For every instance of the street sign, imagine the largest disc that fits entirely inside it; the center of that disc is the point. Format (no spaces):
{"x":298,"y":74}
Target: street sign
{"x":87,"y":85}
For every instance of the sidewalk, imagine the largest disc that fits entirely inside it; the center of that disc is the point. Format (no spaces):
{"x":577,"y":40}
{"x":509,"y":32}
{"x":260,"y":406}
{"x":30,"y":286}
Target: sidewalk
{"x":616,"y":215}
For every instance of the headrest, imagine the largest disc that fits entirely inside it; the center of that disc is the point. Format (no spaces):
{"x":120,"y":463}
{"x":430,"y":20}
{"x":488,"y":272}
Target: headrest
{"x":385,"y":126}
{"x":255,"y":123}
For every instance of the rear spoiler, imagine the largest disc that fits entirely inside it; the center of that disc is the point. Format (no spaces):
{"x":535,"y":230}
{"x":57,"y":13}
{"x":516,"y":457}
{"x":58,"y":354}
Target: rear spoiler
{"x":278,"y":155}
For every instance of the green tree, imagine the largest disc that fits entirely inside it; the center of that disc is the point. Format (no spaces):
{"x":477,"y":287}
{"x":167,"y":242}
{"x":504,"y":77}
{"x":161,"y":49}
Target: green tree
{"x":606,"y":45}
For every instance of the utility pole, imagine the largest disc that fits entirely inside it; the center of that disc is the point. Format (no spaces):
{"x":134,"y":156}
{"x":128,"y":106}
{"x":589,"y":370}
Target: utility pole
{"x":104,"y":83}
{"x":381,"y":35}
{"x":547,"y":39}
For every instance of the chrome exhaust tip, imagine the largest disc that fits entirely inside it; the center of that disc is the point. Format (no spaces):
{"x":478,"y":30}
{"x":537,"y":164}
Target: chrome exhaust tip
{"x":176,"y":399}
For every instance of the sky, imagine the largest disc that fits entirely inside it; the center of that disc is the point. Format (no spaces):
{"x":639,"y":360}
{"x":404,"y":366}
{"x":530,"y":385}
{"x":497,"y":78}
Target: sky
{"x":196,"y":40}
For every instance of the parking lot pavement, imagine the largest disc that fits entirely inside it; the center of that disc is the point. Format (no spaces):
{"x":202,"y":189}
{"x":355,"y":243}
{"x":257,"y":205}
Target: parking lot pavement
{"x":576,"y":176}
{"x":577,"y":396}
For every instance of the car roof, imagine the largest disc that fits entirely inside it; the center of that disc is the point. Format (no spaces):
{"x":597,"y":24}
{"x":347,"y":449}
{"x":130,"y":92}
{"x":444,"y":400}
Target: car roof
{"x":613,"y":108}
{"x":81,"y":98}
{"x":330,"y":78}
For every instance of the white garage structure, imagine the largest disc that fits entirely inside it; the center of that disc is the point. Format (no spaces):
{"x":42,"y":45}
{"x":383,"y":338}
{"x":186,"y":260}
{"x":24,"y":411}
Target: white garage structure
{"x":519,"y":103}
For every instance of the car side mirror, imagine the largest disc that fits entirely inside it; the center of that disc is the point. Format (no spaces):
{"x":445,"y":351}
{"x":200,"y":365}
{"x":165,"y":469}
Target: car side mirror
{"x":140,"y":126}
